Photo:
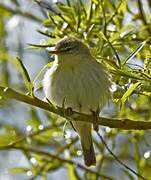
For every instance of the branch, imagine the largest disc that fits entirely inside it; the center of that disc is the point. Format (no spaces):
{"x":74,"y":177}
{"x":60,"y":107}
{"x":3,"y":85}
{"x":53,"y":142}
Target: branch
{"x":109,"y":122}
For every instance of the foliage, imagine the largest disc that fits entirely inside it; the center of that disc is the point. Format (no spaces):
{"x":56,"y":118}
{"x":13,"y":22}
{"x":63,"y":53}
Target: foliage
{"x":123,"y":45}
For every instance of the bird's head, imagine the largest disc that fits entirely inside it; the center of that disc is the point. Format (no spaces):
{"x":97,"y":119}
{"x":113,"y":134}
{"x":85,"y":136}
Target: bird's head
{"x":70,"y":46}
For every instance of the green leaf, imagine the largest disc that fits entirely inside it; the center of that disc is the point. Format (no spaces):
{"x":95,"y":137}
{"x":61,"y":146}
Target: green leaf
{"x":18,"y":170}
{"x":147,"y":61}
{"x":147,"y":94}
{"x":47,"y":34}
{"x":136,"y":51}
{"x":110,"y":62}
{"x":24,"y":70}
{"x":71,"y":172}
{"x":52,"y":166}
{"x":112,"y":47}
{"x":64,"y":8}
{"x":35,"y":46}
{"x":6,"y":139}
{"x":128,"y":93}
{"x":45,"y":136}
{"x":122,"y":33}
{"x":8,"y":135}
{"x":26,"y":76}
{"x":103,"y":36}
{"x":125,"y":73}
{"x":123,"y":7}
{"x":82,"y":6}
{"x":90,"y":11}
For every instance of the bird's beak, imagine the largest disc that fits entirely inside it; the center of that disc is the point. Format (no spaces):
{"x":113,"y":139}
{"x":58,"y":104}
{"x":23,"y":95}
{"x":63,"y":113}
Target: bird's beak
{"x":52,"y":50}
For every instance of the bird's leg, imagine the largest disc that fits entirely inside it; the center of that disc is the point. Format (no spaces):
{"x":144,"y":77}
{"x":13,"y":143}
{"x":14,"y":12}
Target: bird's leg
{"x":51,"y":104}
{"x":69,"y":112}
{"x":95,"y":120}
{"x":63,"y":106}
{"x":66,"y":113}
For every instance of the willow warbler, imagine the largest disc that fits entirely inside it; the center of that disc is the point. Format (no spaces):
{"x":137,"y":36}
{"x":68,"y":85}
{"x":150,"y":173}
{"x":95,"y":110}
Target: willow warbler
{"x":79,"y":81}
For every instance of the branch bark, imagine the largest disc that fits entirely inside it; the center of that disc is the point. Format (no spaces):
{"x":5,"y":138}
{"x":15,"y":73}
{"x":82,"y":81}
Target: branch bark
{"x":124,"y":123}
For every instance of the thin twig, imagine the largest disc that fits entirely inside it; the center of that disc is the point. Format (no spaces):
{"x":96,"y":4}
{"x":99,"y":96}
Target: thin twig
{"x":35,"y":133}
{"x":104,"y":18}
{"x":53,"y":156}
{"x":115,"y":53}
{"x":40,"y":170}
{"x":59,"y":151}
{"x":67,"y":146}
{"x":117,"y":159}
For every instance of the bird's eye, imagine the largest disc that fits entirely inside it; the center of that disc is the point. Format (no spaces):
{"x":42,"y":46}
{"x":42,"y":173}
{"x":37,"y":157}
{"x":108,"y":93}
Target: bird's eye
{"x":68,"y":48}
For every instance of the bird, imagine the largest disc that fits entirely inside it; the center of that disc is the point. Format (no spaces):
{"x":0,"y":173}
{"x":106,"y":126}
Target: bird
{"x":77,"y":80}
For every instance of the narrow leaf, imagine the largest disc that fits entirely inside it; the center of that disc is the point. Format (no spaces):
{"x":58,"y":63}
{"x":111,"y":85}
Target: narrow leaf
{"x":111,"y":46}
{"x":39,"y":45}
{"x":90,"y":11}
{"x":18,"y":170}
{"x":132,"y":54}
{"x":129,"y":92}
{"x":28,"y":81}
{"x":125,"y":73}
{"x":71,"y":172}
{"x":24,"y":69}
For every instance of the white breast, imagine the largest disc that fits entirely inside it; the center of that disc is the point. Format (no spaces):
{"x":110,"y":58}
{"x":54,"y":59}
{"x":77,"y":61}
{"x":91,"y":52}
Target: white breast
{"x":84,"y":87}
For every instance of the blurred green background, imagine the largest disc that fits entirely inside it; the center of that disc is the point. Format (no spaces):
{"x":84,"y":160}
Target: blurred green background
{"x":118,"y":33}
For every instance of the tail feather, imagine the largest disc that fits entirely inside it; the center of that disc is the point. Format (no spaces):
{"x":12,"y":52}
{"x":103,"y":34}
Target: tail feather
{"x":84,"y":131}
{"x":89,"y":155}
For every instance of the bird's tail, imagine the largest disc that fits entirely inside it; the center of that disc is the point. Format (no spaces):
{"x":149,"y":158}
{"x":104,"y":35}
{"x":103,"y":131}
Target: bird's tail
{"x":89,"y":154}
{"x":84,"y":131}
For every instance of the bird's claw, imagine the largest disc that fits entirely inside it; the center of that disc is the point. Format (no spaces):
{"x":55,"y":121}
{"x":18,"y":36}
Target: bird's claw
{"x":68,"y":111}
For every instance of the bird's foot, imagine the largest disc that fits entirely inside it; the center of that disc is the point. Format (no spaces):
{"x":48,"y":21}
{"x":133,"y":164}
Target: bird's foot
{"x":68,"y":111}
